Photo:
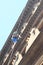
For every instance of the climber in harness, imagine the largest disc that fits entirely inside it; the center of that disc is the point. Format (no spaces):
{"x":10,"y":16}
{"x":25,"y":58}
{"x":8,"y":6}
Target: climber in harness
{"x":15,"y":37}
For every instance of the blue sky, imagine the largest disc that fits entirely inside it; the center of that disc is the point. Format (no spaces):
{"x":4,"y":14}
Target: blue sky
{"x":10,"y":10}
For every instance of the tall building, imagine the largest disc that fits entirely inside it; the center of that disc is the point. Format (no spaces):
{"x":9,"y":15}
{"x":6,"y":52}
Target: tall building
{"x":24,"y":45}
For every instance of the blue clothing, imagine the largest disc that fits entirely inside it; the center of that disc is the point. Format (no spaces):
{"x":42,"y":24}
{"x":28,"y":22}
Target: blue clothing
{"x":15,"y":39}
